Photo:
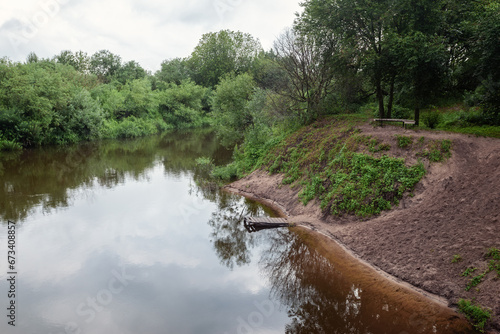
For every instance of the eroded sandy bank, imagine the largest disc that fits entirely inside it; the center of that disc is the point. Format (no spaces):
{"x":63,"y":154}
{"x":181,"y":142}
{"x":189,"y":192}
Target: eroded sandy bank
{"x":455,"y":211}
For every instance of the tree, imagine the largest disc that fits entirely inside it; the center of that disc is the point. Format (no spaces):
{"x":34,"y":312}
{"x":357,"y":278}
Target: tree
{"x":220,"y":53}
{"x":181,"y":105}
{"x":79,"y":60}
{"x":173,"y":71}
{"x":420,"y":52}
{"x":355,"y":31}
{"x":308,"y":71}
{"x":104,"y":64}
{"x":139,"y":100}
{"x":32,"y":58}
{"x":488,"y":55}
{"x":423,"y":59}
{"x":129,"y":71}
{"x":268,"y":74}
{"x":230,"y":114}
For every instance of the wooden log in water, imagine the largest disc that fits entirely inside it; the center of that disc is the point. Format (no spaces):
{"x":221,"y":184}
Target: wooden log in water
{"x":253,"y":224}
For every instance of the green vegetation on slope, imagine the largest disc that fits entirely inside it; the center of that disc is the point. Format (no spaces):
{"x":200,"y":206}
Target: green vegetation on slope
{"x":333,"y":162}
{"x":325,"y":162}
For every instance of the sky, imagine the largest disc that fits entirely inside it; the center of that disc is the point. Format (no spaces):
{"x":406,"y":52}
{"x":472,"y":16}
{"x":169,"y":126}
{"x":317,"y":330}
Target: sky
{"x":147,"y":31}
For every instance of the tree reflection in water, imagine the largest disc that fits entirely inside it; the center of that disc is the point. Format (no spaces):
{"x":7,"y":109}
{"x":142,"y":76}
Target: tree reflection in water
{"x":304,"y":281}
{"x":231,"y":241}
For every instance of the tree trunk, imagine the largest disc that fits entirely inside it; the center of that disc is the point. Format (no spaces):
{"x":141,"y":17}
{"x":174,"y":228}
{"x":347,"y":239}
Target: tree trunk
{"x":391,"y":97}
{"x":380,"y":98}
{"x":417,"y":114}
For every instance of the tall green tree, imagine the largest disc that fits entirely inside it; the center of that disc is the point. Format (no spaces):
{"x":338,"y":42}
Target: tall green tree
{"x":129,"y":71}
{"x":487,"y":52}
{"x":220,"y":53}
{"x":230,"y":113}
{"x":173,"y":71}
{"x":181,"y":105}
{"x":423,"y":59}
{"x":354,"y":30}
{"x":79,"y":60}
{"x":420,"y":50}
{"x":105,"y":65}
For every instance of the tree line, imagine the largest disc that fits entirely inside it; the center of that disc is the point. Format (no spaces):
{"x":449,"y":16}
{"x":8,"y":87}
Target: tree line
{"x":339,"y":55}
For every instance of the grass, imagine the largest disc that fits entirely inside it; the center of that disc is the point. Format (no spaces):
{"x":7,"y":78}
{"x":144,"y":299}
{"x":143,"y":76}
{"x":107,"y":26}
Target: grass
{"x":456,"y":258}
{"x":460,"y":119}
{"x":476,"y":314}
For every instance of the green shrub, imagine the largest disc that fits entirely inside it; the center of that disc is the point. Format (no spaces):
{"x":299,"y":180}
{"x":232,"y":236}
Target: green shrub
{"x":431,"y":119}
{"x":226,"y":173}
{"x":181,"y":105}
{"x":400,"y":112}
{"x":9,"y":145}
{"x":476,"y":314}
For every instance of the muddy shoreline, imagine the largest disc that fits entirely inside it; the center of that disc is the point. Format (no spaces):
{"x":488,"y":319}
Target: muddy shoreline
{"x":455,"y":210}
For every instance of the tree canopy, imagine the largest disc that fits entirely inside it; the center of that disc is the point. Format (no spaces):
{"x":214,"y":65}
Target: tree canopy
{"x":220,"y":53}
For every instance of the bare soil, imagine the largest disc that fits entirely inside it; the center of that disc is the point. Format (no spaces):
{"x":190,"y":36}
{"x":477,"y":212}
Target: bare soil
{"x":455,"y":210}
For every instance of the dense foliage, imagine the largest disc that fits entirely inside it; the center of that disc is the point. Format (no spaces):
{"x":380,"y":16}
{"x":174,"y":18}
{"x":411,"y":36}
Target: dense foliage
{"x":340,"y":55}
{"x":73,"y":97}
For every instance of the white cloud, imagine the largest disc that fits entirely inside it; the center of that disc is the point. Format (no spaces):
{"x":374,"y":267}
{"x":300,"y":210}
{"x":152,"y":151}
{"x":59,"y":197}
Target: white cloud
{"x":148,"y":32}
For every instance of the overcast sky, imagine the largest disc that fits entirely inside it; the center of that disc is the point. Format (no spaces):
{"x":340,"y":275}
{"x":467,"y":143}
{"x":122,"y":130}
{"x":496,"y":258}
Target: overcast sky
{"x":147,"y":31}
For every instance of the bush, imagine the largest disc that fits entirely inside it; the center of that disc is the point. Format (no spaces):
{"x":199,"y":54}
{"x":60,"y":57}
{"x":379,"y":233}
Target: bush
{"x":9,"y":145}
{"x":226,"y":173}
{"x":400,"y":112}
{"x":477,"y":315}
{"x":182,"y":105}
{"x":132,"y":127}
{"x":230,"y":113}
{"x":431,"y":119}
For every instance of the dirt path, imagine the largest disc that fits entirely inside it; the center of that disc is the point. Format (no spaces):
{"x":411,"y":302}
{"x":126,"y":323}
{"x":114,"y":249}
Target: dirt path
{"x":455,"y":211}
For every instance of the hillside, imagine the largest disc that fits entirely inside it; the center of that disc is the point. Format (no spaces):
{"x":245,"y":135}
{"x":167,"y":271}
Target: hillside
{"x":447,"y":223}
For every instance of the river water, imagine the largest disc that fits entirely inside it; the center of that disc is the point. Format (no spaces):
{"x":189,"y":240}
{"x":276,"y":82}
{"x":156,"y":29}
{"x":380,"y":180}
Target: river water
{"x":125,"y":237}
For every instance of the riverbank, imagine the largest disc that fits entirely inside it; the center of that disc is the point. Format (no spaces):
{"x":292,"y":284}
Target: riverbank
{"x":430,"y":239}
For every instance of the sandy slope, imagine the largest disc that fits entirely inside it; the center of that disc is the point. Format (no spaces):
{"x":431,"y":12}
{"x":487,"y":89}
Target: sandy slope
{"x":455,"y":210}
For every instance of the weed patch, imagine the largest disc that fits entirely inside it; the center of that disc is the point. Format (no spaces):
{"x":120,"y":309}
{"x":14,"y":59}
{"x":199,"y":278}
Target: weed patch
{"x":468,"y":272}
{"x":493,"y":254}
{"x":476,"y":314}
{"x":374,"y":146}
{"x":437,"y":150}
{"x":404,"y":141}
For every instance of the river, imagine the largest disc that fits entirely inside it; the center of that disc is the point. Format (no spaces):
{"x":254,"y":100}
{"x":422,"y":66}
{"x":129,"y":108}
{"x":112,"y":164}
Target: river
{"x":125,"y":237}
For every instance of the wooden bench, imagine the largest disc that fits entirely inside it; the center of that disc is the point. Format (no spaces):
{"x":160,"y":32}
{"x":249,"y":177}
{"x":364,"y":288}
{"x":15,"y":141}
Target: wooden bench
{"x":404,"y":121}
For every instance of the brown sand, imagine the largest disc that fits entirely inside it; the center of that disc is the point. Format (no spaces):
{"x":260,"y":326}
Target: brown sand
{"x":455,"y":210}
